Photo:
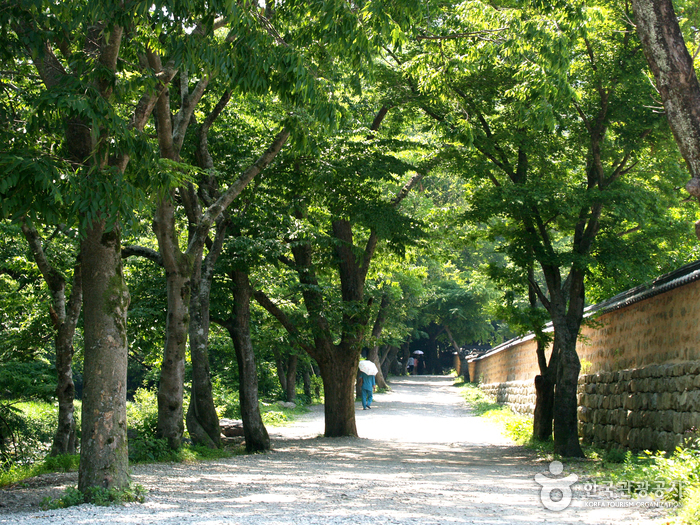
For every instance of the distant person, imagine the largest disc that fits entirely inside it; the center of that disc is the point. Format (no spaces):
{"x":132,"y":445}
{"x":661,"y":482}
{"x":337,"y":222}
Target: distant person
{"x":367,"y":383}
{"x":410,"y":364}
{"x":419,"y":366}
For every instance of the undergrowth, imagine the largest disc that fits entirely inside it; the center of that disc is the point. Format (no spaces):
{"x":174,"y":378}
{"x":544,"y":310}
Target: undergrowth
{"x":97,"y":496}
{"x":29,"y":425}
{"x":15,"y":473}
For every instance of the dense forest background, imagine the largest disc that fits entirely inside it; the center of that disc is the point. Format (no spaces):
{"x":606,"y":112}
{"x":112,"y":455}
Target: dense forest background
{"x":210,"y":206}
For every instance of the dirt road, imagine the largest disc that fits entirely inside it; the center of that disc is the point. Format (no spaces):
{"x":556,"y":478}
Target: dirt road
{"x":422,"y":458}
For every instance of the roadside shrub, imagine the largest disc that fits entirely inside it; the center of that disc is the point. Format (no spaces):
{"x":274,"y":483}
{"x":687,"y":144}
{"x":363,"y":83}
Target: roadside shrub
{"x":142,"y":412}
{"x":62,"y":463}
{"x":690,"y":512}
{"x":149,"y":449}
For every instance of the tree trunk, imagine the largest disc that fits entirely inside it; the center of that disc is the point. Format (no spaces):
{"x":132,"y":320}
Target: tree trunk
{"x":672,"y":65}
{"x":387,"y":358}
{"x":544,"y":407}
{"x":202,"y":420}
{"x":376,"y":333}
{"x":256,"y":436}
{"x":338,"y":374}
{"x":64,"y":441}
{"x":178,"y":271}
{"x":64,"y":317}
{"x":104,"y":453}
{"x":290,"y":389}
{"x":566,"y":441}
{"x":306,"y":374}
{"x":406,"y":353}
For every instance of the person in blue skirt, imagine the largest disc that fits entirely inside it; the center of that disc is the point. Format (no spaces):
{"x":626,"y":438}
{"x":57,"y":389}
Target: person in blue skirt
{"x":367,"y":383}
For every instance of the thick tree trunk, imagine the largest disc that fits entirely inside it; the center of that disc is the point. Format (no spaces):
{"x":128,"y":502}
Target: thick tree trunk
{"x":202,"y":420}
{"x":178,"y":271}
{"x":104,"y":454}
{"x":338,"y":374}
{"x":544,"y":407}
{"x":566,"y":442}
{"x":672,"y":65}
{"x":256,"y":436}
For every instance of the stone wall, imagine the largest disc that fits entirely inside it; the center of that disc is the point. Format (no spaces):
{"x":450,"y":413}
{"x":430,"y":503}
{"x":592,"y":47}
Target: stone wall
{"x":645,"y":408}
{"x":650,"y":408}
{"x":664,"y":328}
{"x":518,"y":395}
{"x":640,"y":353}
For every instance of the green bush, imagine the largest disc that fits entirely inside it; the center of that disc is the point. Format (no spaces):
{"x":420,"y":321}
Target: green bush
{"x":142,"y":412}
{"x":149,"y":449}
{"x":26,"y":431}
{"x":31,"y":380}
{"x":690,"y":511}
{"x":226,"y":400}
{"x":62,"y":463}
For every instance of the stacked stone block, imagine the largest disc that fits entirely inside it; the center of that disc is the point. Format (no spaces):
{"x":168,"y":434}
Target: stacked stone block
{"x":518,"y":395}
{"x":649,"y":408}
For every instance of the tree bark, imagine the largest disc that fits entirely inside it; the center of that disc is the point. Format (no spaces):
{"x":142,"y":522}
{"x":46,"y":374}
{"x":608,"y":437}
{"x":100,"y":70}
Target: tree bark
{"x":566,"y":441}
{"x":338,"y":374}
{"x":672,"y":66}
{"x":306,"y":374}
{"x":238,"y":326}
{"x":544,"y":405}
{"x":64,"y":317}
{"x":202,"y":420}
{"x":64,"y":441}
{"x":290,"y":390}
{"x":104,"y":453}
{"x":178,"y":271}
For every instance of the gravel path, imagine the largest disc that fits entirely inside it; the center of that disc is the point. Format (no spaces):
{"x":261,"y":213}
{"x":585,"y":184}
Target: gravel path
{"x":422,"y":459}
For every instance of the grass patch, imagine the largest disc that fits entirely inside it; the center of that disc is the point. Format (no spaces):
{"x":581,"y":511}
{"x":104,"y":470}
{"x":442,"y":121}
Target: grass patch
{"x":153,"y":450}
{"x":15,"y":473}
{"x":275,"y":415}
{"x":517,"y":427}
{"x":97,"y":496}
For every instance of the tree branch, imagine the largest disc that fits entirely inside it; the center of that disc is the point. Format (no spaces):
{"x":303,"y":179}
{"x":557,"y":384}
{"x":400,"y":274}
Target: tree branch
{"x":263,"y":300}
{"x":141,"y":251}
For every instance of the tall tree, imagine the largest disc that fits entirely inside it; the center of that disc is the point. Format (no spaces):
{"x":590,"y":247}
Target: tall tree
{"x":75,"y":52}
{"x":554,"y":138}
{"x":676,"y":79}
{"x":356,"y":213}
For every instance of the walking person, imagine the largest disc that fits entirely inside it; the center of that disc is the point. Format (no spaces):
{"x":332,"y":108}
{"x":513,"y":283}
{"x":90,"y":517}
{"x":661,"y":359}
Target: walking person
{"x":367,"y":383}
{"x":409,"y":365}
